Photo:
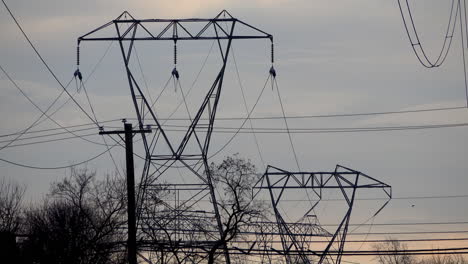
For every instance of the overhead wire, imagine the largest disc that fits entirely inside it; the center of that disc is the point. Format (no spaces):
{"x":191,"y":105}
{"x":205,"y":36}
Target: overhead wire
{"x":241,"y":86}
{"x":43,"y":113}
{"x":463,"y":51}
{"x":95,"y":67}
{"x":466,"y":21}
{"x":82,"y":84}
{"x":405,"y":224}
{"x":55,"y":129}
{"x":114,"y":145}
{"x":423,"y":58}
{"x":91,"y":106}
{"x":243,"y":123}
{"x":244,"y":99}
{"x":369,"y":241}
{"x":49,"y":135}
{"x":64,"y":90}
{"x":57,"y":167}
{"x":266,"y":130}
{"x":53,"y":140}
{"x":43,"y":61}
{"x":286,"y":124}
{"x":422,"y":55}
{"x":239,"y":130}
{"x":411,"y":233}
{"x":334,"y":115}
{"x":377,"y":199}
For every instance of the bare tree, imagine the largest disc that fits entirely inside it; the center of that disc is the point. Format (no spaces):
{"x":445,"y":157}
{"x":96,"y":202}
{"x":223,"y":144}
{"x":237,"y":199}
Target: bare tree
{"x":79,"y":222}
{"x":11,"y":197}
{"x":235,"y":176}
{"x":444,"y":259}
{"x":233,"y":179}
{"x":392,"y":245}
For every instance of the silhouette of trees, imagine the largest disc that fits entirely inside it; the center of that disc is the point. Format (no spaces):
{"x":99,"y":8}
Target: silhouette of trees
{"x":236,"y":177}
{"x":11,"y":197}
{"x":394,"y":245}
{"x":444,"y":259}
{"x":79,"y":222}
{"x":233,"y":180}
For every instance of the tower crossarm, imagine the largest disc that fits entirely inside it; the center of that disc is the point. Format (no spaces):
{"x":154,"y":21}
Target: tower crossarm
{"x":176,"y":29}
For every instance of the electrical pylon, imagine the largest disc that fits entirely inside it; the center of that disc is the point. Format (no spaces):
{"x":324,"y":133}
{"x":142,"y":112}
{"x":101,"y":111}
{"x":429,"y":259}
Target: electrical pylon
{"x":163,"y":152}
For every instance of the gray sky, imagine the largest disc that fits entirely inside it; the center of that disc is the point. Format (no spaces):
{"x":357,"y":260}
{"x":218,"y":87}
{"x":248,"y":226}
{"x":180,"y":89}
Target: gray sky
{"x":331,"y":57}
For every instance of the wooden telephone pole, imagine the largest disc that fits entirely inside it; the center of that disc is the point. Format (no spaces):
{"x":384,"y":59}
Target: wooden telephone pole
{"x":131,"y":218}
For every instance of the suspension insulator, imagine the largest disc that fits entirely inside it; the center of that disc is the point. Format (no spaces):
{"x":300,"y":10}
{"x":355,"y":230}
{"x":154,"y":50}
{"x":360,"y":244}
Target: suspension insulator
{"x":272,"y":53}
{"x":77,"y":55}
{"x":175,"y":53}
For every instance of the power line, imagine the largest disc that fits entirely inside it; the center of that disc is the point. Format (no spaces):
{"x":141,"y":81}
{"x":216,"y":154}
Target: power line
{"x":245,"y":120}
{"x":463,"y":52}
{"x":277,"y":117}
{"x":402,"y":252}
{"x":247,"y":108}
{"x":376,"y":240}
{"x":95,"y":67}
{"x":270,"y":130}
{"x":423,"y":58}
{"x":58,"y":167}
{"x":335,"y":115}
{"x":39,"y":121}
{"x":64,"y":88}
{"x":241,"y":130}
{"x":44,"y":62}
{"x":403,"y":224}
{"x":375,"y":199}
{"x":280,"y":130}
{"x":54,"y":140}
{"x":52,"y":134}
{"x":384,"y":199}
{"x":55,"y":129}
{"x":421,"y":53}
{"x":273,"y":80}
{"x":97,"y":122}
{"x":328,"y":130}
{"x":411,"y":233}
{"x":43,"y":112}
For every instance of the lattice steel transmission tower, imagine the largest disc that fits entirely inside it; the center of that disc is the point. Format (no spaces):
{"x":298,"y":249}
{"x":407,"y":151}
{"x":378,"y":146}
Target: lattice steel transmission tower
{"x":173,"y":221}
{"x":164,"y":153}
{"x":294,"y":247}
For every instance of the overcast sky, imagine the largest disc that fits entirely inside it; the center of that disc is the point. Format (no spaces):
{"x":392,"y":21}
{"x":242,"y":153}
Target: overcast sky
{"x":332,"y":57}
